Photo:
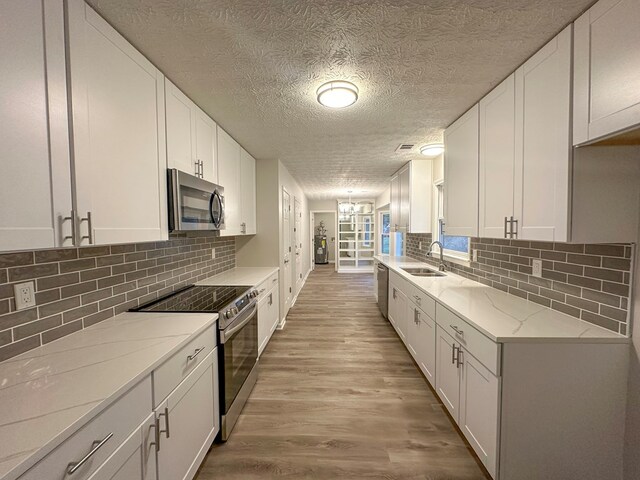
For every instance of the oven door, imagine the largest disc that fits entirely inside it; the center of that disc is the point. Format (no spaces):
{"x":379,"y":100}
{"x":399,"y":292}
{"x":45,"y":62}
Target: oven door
{"x":194,"y":203}
{"x":239,"y":353}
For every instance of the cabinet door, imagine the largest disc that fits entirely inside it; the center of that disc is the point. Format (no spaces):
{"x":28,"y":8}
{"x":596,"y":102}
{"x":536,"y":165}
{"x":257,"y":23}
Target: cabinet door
{"x":267,"y":318}
{"x":606,"y":96}
{"x":461,"y":175}
{"x":180,"y":118}
{"x":447,"y":373}
{"x":404,"y":178}
{"x":206,"y":138}
{"x":187,"y":421}
{"x":119,"y":134}
{"x":423,"y":339}
{"x":229,"y":159}
{"x":35,"y":185}
{"x":420,"y":196}
{"x":394,"y":198}
{"x":392,"y":313}
{"x":479,"y":405}
{"x":543,"y":147}
{"x":402,"y":314}
{"x":248,"y":195}
{"x":135,"y":459}
{"x":497,"y":159}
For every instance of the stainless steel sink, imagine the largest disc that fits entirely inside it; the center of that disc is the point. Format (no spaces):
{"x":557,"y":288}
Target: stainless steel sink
{"x":423,"y":272}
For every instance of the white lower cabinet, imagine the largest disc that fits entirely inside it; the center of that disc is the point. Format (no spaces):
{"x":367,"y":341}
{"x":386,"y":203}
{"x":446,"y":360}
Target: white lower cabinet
{"x":187,"y":422}
{"x":447,"y":373}
{"x":398,"y":308}
{"x":421,"y":341}
{"x":135,"y":459}
{"x":268,"y":316}
{"x":479,"y":409}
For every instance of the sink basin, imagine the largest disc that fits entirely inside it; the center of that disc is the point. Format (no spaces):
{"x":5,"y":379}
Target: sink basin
{"x":423,"y":272}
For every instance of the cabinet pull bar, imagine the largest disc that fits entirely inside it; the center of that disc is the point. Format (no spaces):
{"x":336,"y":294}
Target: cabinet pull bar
{"x":195,"y":354}
{"x":72,"y":219}
{"x":453,"y":354}
{"x":506,"y":220}
{"x":514,"y":234}
{"x":74,"y":466}
{"x":459,"y":359}
{"x":457,"y":330}
{"x":166,"y":421}
{"x":89,"y":229}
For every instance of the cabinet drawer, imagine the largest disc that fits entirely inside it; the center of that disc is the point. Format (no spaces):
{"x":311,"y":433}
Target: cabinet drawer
{"x":115,"y":424}
{"x":422,"y":300}
{"x":477,"y":344}
{"x":168,"y":375}
{"x":265,"y":287}
{"x":398,"y":282}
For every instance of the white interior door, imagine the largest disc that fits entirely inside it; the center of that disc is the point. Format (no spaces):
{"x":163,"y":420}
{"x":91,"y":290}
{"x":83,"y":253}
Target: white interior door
{"x":35,"y":185}
{"x":297,"y":228}
{"x":286,"y":251}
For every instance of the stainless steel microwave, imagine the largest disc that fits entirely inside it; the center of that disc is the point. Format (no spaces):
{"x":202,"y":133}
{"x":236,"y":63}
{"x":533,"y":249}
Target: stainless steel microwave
{"x":194,"y":203}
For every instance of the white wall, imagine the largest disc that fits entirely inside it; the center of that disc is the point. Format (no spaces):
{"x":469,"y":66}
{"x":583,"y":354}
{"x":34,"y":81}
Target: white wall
{"x":329,"y":220}
{"x":384,"y":199}
{"x":323,"y":205}
{"x":632,"y":433}
{"x":438,"y":168}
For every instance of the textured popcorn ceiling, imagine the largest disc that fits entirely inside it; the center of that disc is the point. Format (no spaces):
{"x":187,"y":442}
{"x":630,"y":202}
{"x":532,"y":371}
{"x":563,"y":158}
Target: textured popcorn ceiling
{"x":254,"y":66}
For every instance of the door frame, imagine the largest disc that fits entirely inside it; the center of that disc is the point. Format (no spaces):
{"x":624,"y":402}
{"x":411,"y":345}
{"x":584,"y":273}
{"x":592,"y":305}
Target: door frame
{"x":312,"y":230}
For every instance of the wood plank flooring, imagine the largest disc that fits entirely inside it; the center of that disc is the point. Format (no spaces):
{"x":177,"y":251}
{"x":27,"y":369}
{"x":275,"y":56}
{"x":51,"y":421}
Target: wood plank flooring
{"x":339,"y":397}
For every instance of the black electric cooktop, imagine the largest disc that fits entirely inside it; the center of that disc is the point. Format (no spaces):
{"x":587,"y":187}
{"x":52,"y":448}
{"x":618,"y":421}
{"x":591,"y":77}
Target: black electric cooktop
{"x":195,"y":299}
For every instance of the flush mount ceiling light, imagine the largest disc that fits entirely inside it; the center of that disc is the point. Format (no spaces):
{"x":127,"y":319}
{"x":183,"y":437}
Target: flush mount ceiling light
{"x":432,"y":150}
{"x":338,"y":94}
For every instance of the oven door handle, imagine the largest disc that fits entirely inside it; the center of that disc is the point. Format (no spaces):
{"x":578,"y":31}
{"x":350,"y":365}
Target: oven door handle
{"x":229,"y":332}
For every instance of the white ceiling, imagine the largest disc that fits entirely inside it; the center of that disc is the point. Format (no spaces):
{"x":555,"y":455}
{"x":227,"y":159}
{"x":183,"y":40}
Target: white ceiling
{"x":254,"y":66}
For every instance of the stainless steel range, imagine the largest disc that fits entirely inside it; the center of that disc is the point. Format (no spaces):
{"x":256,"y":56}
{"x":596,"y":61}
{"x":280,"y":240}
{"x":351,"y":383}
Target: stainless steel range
{"x":237,"y":339}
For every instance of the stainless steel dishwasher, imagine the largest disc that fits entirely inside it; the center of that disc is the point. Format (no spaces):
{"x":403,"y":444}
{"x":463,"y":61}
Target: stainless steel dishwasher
{"x":383,"y":289}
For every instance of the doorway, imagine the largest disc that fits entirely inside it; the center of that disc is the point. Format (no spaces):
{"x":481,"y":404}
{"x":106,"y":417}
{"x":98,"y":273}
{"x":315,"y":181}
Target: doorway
{"x":329,"y":223}
{"x":286,"y":251}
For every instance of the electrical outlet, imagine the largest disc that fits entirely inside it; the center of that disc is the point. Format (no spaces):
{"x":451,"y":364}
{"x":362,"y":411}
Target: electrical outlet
{"x":213,"y":254}
{"x":537,"y":268}
{"x":419,"y":245}
{"x":475,"y":255}
{"x":25,"y":295}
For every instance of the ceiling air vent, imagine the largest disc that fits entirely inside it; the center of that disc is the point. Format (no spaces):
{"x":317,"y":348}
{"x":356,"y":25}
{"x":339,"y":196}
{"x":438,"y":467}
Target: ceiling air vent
{"x":405,"y":147}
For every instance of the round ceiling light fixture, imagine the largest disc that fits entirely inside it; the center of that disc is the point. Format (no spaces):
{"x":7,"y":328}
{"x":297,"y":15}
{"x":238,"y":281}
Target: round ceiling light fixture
{"x":337,"y":94}
{"x":432,"y":150}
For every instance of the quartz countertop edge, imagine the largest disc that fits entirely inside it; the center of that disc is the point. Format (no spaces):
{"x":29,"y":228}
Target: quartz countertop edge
{"x":238,"y":276}
{"x":502,"y":317}
{"x":23,"y":461}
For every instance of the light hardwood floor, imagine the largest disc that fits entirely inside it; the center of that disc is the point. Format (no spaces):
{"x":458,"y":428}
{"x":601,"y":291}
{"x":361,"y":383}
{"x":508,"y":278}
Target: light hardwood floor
{"x":339,"y":397}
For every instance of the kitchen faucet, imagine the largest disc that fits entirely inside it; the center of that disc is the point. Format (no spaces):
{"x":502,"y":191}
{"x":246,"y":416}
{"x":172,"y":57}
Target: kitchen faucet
{"x":442,"y":267}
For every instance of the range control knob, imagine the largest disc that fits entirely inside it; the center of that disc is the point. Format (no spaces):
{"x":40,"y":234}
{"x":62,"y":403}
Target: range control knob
{"x":253,"y":293}
{"x":228,"y":314}
{"x":234,"y":310}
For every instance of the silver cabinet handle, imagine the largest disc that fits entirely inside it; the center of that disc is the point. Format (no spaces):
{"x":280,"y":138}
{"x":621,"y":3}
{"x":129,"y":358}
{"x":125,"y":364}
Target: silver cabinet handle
{"x":274,"y":280}
{"x":457,"y":330}
{"x":418,"y":299}
{"x":74,"y":466}
{"x":89,"y":229}
{"x":453,"y":353}
{"x":72,"y":219}
{"x":271,"y":299}
{"x":156,"y":428}
{"x":514,"y":233}
{"x":459,"y":359}
{"x":394,"y":293}
{"x":195,"y":353}
{"x":166,"y":423}
{"x":506,"y":221}
{"x":243,"y":227}
{"x":197,"y":165}
{"x":262,"y":290}
{"x":201,"y":169}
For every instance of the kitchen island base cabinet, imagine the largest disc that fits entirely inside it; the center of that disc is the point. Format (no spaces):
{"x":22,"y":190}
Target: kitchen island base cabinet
{"x":563,"y":411}
{"x":188,"y":422}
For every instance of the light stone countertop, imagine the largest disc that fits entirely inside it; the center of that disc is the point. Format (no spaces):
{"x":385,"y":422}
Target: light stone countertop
{"x":239,"y":276}
{"x":49,"y":393}
{"x":498,"y":315}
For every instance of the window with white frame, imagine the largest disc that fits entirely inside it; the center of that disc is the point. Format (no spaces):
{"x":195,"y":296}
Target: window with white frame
{"x":454,"y":246}
{"x":385,"y":222}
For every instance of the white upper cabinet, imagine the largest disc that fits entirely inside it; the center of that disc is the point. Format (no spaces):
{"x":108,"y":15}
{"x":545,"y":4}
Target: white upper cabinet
{"x":191,"y":136}
{"x":229,"y":158}
{"x":497,"y":160}
{"x":117,"y":99}
{"x":606,"y":88}
{"x":542,"y":142}
{"x":237,"y":175}
{"x":461,"y":175}
{"x":248,"y":195}
{"x":35,"y":185}
{"x":410,"y":197}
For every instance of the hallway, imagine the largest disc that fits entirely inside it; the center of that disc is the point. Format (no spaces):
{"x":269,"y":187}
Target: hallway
{"x":339,"y":397}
